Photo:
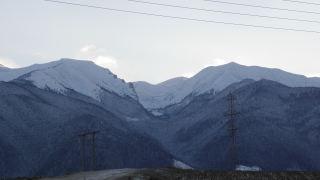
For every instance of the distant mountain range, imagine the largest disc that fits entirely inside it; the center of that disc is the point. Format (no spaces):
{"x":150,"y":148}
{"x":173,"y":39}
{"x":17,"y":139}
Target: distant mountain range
{"x":212,"y":80}
{"x":44,"y":107}
{"x":88,"y":79}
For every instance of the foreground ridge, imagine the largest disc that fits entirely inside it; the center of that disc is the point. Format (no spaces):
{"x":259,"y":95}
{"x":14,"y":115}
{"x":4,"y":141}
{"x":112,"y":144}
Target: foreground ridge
{"x":171,"y":173}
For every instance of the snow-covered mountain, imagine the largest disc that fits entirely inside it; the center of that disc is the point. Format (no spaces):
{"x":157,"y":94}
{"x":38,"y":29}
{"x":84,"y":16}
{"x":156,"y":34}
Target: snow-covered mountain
{"x":41,"y":127}
{"x":87,"y":78}
{"x":66,"y":75}
{"x":211,"y":80}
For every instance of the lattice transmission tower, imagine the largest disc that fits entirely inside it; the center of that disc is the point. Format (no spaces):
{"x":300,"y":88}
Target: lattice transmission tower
{"x":232,"y":128}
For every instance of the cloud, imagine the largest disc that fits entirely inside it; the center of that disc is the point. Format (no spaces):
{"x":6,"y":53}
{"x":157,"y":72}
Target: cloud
{"x":91,"y":49}
{"x":106,"y":62}
{"x":216,"y":62}
{"x":86,"y":48}
{"x":7,"y":62}
{"x":313,"y":75}
{"x":188,"y":74}
{"x":97,"y":55}
{"x":40,"y":54}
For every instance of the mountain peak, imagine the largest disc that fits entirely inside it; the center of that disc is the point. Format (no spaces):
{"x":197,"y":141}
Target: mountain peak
{"x":65,"y":74}
{"x":229,"y":65}
{"x":68,"y":60}
{"x":214,"y":79}
{"x":232,"y":63}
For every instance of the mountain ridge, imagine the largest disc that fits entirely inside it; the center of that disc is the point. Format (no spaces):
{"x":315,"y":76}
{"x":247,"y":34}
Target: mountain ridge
{"x":87,"y":78}
{"x":214,"y":79}
{"x":64,"y":75}
{"x":172,"y":81}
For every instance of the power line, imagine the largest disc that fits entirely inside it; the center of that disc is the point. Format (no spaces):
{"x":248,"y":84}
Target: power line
{"x":249,"y":5}
{"x":209,"y":10}
{"x":301,"y":2}
{"x":183,"y":18}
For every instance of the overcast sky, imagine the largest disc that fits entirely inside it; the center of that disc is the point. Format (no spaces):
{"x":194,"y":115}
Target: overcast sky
{"x":149,"y":48}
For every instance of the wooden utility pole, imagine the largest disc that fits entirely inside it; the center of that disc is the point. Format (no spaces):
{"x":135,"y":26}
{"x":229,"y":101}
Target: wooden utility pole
{"x":84,"y":150}
{"x":232,"y":129}
{"x":83,"y":153}
{"x":93,"y":152}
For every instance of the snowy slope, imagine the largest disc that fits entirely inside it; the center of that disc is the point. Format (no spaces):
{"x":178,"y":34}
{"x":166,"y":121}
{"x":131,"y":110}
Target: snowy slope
{"x":246,"y":168}
{"x":66,"y":74}
{"x":95,"y":175}
{"x":316,"y":79}
{"x":7,"y":74}
{"x":180,"y":165}
{"x":210,"y":80}
{"x":172,"y":81}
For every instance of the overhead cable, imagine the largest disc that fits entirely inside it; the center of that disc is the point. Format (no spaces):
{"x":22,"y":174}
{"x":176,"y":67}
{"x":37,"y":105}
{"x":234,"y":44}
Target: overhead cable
{"x":302,"y":2}
{"x":183,"y":18}
{"x":249,"y":5}
{"x":209,"y":10}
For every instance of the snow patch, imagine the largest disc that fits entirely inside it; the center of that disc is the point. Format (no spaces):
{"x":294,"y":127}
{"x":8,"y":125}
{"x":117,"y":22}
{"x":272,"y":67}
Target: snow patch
{"x":156,"y":113}
{"x":180,"y":165}
{"x":246,"y":168}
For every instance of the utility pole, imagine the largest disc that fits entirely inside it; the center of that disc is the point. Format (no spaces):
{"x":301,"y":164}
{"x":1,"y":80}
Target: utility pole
{"x":93,"y":152}
{"x":232,"y":128}
{"x":83,"y":153}
{"x":84,"y":150}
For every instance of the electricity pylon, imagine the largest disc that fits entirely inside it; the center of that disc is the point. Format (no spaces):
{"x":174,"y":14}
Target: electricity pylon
{"x":232,"y":129}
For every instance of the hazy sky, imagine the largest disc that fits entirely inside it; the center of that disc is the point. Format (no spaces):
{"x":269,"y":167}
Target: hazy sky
{"x":153,"y":49}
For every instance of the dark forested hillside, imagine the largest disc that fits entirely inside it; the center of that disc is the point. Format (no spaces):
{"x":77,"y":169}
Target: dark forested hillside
{"x":39,"y":135}
{"x":278,"y":128}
